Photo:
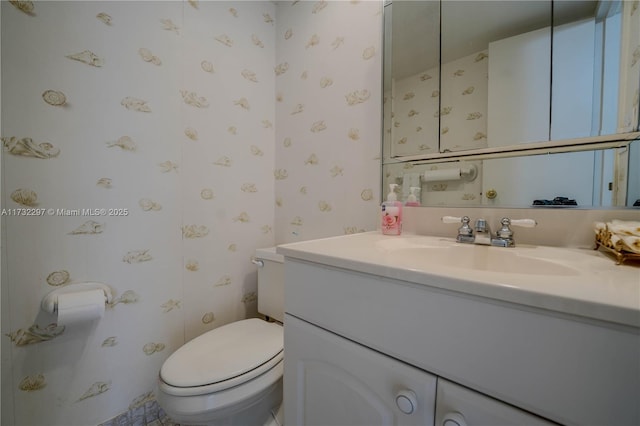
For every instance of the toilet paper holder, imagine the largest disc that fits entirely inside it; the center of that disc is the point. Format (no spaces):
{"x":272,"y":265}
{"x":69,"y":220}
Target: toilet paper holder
{"x":50,"y":301}
{"x":467,"y":173}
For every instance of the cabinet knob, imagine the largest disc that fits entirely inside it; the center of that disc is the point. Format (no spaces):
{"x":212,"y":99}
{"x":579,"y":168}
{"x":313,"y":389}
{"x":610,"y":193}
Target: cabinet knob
{"x":454,"y":419}
{"x":407,"y":401}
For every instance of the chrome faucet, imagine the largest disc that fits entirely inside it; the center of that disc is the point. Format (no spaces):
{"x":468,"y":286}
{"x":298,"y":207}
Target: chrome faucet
{"x":504,"y":235}
{"x":465,"y":233}
{"x":483,"y":232}
{"x":483,"y":235}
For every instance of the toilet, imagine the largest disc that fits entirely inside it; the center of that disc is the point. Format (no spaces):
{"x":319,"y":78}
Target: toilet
{"x":232,"y":375}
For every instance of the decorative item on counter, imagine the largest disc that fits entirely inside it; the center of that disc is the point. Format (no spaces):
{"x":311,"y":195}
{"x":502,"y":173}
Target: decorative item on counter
{"x":620,"y":238}
{"x":412,"y":199}
{"x":558,"y":201}
{"x":392,"y":213}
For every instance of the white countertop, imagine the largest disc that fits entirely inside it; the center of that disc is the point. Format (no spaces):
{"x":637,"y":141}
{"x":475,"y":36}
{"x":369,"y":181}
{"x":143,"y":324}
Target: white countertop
{"x":580,"y":282}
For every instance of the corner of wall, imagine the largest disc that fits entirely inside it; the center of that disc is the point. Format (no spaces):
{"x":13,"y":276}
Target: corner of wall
{"x":6,"y":396}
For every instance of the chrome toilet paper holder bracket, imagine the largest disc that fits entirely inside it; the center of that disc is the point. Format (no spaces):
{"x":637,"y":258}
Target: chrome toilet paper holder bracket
{"x":50,"y":301}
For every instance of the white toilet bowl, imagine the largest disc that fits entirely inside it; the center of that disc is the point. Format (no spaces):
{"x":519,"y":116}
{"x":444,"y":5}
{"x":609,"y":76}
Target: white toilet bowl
{"x":231,"y":375}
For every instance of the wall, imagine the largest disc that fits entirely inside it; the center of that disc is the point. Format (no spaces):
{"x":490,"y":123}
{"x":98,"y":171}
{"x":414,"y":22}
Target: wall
{"x":415,"y":102}
{"x":185,"y":119}
{"x":328,"y":91}
{"x":84,"y":371}
{"x":462,"y":119}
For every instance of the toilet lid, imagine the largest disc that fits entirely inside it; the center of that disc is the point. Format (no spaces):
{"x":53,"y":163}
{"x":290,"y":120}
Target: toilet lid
{"x":223,"y":353}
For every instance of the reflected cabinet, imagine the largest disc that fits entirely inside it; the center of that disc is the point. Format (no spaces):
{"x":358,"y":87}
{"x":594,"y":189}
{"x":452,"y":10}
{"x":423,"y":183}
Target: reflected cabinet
{"x":486,"y":78}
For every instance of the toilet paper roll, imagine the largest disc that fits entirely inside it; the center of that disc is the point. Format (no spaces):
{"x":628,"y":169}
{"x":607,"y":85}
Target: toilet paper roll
{"x":80,"y":306}
{"x":439,"y":175}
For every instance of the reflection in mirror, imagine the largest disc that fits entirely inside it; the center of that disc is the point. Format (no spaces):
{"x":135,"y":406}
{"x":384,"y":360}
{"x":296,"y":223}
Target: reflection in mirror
{"x":575,"y":110}
{"x":512,"y":72}
{"x":412,"y":59}
{"x":592,"y":178}
{"x":595,"y":68}
{"x":496,"y":69}
{"x":523,"y":76}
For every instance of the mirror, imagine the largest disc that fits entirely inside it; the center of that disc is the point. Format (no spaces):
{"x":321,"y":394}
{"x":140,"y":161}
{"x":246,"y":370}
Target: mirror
{"x":594,"y":74}
{"x":603,"y":178}
{"x":496,"y":73}
{"x":412,"y":76}
{"x":514,"y":76}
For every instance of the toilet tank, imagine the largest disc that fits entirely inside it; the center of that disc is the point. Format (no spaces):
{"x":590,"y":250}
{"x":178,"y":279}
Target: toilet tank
{"x":271,"y":283}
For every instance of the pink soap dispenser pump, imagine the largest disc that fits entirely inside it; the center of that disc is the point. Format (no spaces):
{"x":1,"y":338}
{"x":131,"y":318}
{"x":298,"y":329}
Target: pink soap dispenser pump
{"x":392,"y":213}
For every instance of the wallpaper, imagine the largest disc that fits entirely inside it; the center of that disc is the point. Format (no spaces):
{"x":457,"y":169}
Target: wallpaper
{"x":329,"y":118}
{"x":461,"y":119}
{"x":463,"y":114}
{"x":456,"y":108}
{"x":153,"y":146}
{"x":415,"y":104}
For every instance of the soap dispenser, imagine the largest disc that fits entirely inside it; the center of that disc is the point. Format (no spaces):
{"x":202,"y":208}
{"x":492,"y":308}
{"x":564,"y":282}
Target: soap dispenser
{"x":392,"y":213}
{"x":412,"y":199}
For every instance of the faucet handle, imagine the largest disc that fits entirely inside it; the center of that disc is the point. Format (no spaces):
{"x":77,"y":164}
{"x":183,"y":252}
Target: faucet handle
{"x":506,"y":233}
{"x":525,"y":223}
{"x":454,"y":219}
{"x":465,"y":229}
{"x":465,"y":233}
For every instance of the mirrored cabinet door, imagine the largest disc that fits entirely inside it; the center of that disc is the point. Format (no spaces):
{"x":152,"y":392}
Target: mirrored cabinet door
{"x":509,"y":73}
{"x":596,"y":48}
{"x":412,"y":65}
{"x":496,"y":73}
{"x":516,"y":80}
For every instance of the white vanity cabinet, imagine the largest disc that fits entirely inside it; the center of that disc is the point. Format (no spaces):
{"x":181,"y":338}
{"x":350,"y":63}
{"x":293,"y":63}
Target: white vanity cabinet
{"x":354,"y":340}
{"x":332,"y":381}
{"x":459,"y":406}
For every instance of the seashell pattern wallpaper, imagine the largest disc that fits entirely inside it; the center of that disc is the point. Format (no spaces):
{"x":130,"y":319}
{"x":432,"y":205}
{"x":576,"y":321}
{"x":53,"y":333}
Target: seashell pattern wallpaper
{"x":149,"y":136}
{"x":463,"y":114}
{"x":465,"y":87}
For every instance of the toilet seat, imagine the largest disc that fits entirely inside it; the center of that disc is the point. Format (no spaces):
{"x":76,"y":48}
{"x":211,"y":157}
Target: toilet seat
{"x":222,"y":358}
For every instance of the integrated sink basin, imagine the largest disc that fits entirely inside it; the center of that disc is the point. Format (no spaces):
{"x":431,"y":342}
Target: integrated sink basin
{"x":480,"y":258}
{"x":579,"y":281}
{"x":428,"y":253}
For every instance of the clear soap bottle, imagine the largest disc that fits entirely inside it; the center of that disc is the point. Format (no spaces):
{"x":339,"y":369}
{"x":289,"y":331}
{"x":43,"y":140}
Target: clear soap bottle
{"x":392,"y":213}
{"x":412,"y":199}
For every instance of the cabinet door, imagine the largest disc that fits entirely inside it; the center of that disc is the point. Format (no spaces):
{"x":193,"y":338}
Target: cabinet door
{"x":329,"y":380}
{"x":459,"y":406}
{"x":519,"y":89}
{"x":411,"y":77}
